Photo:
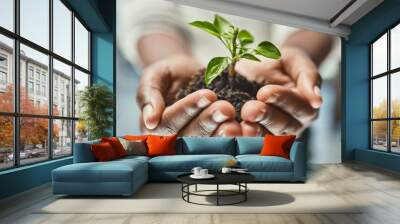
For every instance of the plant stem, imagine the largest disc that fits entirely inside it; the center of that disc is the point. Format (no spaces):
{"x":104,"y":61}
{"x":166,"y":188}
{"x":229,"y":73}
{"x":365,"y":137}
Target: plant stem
{"x":231,"y":68}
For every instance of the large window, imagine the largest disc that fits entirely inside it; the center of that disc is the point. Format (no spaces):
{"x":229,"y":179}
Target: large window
{"x":44,"y":64}
{"x":385,"y":91}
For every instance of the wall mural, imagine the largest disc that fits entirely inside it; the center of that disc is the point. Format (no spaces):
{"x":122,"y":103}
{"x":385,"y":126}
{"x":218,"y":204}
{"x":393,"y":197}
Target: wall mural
{"x":193,"y":72}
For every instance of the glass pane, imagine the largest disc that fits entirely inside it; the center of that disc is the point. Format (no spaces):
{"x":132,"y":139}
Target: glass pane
{"x":62,"y":89}
{"x":395,"y":136}
{"x":81,"y":131}
{"x":7,"y":14}
{"x":62,"y":29}
{"x":81,"y":45}
{"x":6,"y":74}
{"x":395,"y":94}
{"x":6,"y":142}
{"x":62,"y":138}
{"x":34,"y":72}
{"x":379,"y":55}
{"x":81,"y":81}
{"x":379,"y":98}
{"x":35,"y":21}
{"x":395,"y":47}
{"x":379,"y":135}
{"x":33,"y":139}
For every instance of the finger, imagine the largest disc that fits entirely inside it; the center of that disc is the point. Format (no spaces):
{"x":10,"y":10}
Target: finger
{"x":229,"y":128}
{"x":262,"y":72}
{"x":208,"y":121}
{"x":179,"y":114}
{"x":253,"y":129}
{"x":304,"y":71}
{"x":287,"y":100}
{"x":150,"y":93}
{"x":274,"y":120}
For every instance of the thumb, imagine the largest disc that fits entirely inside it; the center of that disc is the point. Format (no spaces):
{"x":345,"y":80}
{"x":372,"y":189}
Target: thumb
{"x":150,"y":97}
{"x":309,"y":85}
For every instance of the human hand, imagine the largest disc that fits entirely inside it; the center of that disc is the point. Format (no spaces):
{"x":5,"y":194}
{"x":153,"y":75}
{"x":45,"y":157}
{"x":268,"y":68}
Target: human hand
{"x":290,"y":99}
{"x":198,"y":114}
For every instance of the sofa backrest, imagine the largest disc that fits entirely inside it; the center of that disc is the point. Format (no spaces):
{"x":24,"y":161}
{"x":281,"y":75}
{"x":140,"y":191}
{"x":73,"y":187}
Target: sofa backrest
{"x":206,"y":145}
{"x":83,"y":152}
{"x":249,"y":145}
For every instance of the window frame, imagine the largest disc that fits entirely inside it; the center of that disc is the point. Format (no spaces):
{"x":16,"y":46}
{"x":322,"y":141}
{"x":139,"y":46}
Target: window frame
{"x":388,"y":74}
{"x":16,"y":115}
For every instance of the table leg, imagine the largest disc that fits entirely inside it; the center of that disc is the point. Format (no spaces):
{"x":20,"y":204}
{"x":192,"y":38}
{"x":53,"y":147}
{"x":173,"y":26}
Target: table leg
{"x":217,"y":194}
{"x":195,"y":188}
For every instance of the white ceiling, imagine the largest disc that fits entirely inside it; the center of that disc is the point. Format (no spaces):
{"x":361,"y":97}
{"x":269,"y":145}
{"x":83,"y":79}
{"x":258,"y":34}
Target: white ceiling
{"x":328,"y":16}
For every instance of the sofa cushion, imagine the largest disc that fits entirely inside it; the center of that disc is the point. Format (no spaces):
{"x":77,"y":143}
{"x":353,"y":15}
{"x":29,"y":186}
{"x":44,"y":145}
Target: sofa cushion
{"x":103,"y":152}
{"x":206,"y":145}
{"x":257,"y":163}
{"x":249,"y":145}
{"x":83,"y":152}
{"x":112,"y":171}
{"x":185,"y":163}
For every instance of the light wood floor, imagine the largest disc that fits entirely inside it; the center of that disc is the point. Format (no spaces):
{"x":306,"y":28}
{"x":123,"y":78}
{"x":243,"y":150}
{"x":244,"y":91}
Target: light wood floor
{"x":378,"y":188}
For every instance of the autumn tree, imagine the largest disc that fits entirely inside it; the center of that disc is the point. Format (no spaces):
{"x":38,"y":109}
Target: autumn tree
{"x":33,"y":131}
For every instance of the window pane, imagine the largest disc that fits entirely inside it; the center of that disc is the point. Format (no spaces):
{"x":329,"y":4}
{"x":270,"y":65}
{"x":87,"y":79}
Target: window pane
{"x":7,"y":14}
{"x":379,"y":56}
{"x":81,"y":131}
{"x":379,"y":98}
{"x":81,"y":45}
{"x":81,"y":81}
{"x":33,"y":139}
{"x":35,"y":21}
{"x":62,"y":138}
{"x":62,"y":89}
{"x":6,"y":74}
{"x":395,"y":136}
{"x":62,"y":29}
{"x":6,"y":142}
{"x":379,"y":135}
{"x":34,"y":72}
{"x":395,"y":94}
{"x":395,"y":47}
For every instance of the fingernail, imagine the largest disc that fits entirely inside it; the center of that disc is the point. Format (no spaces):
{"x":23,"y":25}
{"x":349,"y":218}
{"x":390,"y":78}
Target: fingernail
{"x":148,"y":111}
{"x":272,"y":98}
{"x":260,"y":117}
{"x":221,"y":133}
{"x":316,"y":104}
{"x":317,"y":91}
{"x":203,"y":102}
{"x":219,"y":117}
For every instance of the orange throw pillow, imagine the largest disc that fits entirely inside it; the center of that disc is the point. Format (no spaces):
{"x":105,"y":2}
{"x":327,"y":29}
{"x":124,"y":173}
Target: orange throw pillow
{"x":103,"y":152}
{"x":136,"y":137}
{"x":161,"y":145}
{"x":277,"y":145}
{"x":116,"y":145}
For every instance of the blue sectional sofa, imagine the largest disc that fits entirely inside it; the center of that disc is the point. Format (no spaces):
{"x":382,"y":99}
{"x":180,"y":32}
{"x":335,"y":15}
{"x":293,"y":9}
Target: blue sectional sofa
{"x":125,"y":176}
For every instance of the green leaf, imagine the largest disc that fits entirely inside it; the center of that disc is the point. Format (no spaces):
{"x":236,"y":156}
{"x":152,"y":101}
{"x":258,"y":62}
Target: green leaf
{"x":250,"y":57}
{"x":245,"y":37}
{"x":268,"y":49}
{"x":223,"y":25}
{"x":214,"y":68}
{"x":206,"y":26}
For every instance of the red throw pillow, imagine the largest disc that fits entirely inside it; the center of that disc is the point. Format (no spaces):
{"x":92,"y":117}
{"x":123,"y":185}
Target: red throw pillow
{"x":161,"y":145}
{"x":277,"y":145}
{"x":103,"y":152}
{"x":116,"y":145}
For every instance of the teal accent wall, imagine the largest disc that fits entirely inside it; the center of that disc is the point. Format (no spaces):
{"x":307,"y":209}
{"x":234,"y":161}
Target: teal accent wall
{"x":99,"y":16}
{"x":355,"y":86}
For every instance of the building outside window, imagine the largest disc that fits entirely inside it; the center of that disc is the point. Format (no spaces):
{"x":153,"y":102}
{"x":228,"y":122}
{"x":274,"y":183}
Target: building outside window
{"x":385,"y":91}
{"x":58,"y":125}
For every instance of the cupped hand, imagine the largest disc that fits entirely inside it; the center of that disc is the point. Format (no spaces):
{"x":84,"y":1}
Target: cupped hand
{"x":290,"y":98}
{"x":197,"y":114}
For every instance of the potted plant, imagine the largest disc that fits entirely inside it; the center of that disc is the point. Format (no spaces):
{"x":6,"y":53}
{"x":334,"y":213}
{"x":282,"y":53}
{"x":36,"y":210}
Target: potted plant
{"x":220,"y":75}
{"x":96,"y":102}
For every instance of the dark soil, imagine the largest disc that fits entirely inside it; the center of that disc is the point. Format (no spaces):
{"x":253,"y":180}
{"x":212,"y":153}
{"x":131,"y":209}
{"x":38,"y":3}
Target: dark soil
{"x":235,"y":89}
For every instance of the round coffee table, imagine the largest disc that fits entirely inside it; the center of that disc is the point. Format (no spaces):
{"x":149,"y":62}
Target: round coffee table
{"x":238,"y":179}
